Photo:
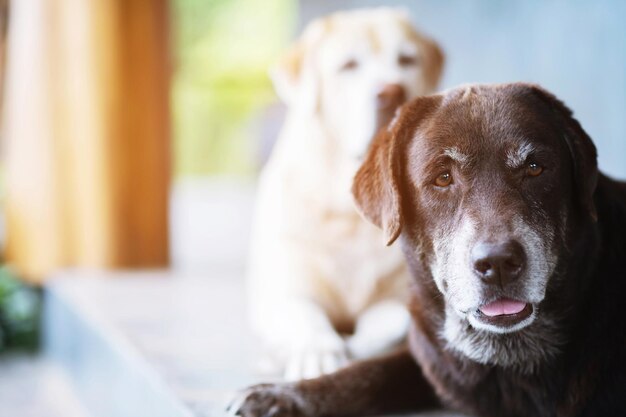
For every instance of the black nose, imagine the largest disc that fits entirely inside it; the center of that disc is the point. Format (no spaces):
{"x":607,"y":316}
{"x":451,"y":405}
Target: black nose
{"x":498,"y":263}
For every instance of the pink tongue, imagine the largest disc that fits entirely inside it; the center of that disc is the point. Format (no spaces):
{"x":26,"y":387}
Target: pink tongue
{"x":503,"y":306}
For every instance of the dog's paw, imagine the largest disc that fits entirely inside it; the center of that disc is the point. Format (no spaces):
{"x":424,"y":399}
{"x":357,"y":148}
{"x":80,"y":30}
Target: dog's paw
{"x":268,"y":400}
{"x":323,"y":355}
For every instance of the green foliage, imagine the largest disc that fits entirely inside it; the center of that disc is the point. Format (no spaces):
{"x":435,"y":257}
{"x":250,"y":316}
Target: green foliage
{"x":223,"y":51}
{"x":20,"y":307}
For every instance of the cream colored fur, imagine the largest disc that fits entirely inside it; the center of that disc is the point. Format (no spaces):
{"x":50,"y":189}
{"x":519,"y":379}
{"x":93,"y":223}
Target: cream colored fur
{"x":316,"y":266}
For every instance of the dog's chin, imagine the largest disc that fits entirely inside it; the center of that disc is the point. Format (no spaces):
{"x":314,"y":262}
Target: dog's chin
{"x":520,"y":340}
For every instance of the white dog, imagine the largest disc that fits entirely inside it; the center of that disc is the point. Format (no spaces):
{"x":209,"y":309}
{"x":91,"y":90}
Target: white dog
{"x":318,"y":271}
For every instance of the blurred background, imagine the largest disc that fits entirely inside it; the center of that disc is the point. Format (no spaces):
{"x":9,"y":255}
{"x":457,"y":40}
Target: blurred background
{"x":132,"y":132}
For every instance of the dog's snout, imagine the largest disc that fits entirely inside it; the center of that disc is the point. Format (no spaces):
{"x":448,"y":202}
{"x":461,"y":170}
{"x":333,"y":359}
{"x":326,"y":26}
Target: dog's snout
{"x":498,"y":263}
{"x":391,"y":96}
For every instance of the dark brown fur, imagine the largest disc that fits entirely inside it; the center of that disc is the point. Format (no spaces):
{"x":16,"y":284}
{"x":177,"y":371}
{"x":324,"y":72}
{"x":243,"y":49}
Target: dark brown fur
{"x":583,"y":302}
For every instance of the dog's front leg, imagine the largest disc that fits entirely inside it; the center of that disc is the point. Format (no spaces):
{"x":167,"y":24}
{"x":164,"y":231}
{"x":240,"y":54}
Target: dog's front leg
{"x":388,"y":384}
{"x":302,"y":335}
{"x":379,"y":329}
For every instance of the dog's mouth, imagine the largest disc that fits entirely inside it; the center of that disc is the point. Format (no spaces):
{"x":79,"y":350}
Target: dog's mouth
{"x":504,"y":314}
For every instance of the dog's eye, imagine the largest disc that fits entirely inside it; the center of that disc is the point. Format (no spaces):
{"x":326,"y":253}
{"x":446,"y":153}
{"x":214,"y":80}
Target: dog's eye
{"x":407,"y":60}
{"x":534,"y":169}
{"x":444,"y":179}
{"x":350,"y":65}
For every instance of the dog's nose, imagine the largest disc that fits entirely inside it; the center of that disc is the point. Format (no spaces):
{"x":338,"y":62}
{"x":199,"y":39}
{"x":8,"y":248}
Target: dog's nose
{"x":390,"y":97}
{"x":498,"y":263}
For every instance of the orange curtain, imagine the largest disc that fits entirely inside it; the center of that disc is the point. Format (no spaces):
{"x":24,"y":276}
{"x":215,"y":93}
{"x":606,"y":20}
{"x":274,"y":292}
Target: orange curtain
{"x":86,"y":135}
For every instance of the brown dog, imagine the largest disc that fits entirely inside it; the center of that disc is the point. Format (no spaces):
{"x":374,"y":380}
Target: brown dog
{"x":517,"y":249}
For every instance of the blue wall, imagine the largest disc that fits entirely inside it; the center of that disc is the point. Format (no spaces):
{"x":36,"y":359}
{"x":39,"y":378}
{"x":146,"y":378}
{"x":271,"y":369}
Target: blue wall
{"x":575,"y":48}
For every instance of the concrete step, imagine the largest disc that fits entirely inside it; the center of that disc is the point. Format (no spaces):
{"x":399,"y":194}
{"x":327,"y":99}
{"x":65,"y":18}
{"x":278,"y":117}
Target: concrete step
{"x":150,"y":343}
{"x":33,"y":386}
{"x":154,"y":343}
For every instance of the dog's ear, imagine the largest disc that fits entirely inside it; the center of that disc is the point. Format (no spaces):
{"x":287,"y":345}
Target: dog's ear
{"x":293,"y":75}
{"x":286,"y":74}
{"x":377,"y":186}
{"x":581,"y":148}
{"x":434,"y":59}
